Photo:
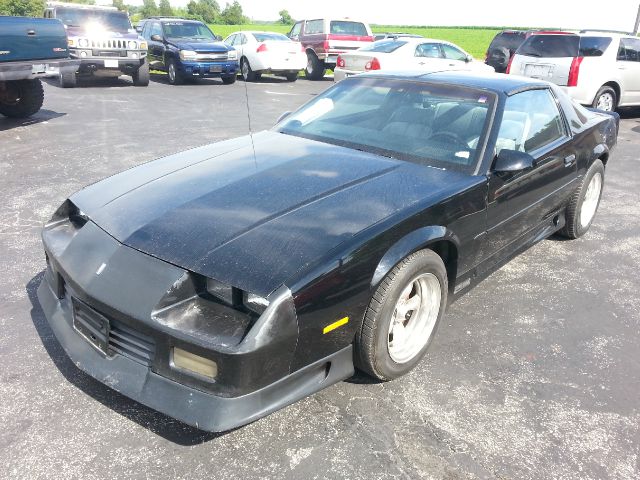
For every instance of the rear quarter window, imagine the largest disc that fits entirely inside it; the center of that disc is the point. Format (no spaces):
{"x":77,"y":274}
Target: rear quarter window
{"x":340,"y":27}
{"x":314,"y":26}
{"x":550,"y":46}
{"x":593,"y":46}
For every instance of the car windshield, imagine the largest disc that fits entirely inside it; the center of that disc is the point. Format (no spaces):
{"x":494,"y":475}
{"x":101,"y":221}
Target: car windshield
{"x":384,"y":46}
{"x":437,"y":125}
{"x":83,"y":17}
{"x":341,"y":27}
{"x":278,"y":37}
{"x":556,"y":46}
{"x":191,"y":30}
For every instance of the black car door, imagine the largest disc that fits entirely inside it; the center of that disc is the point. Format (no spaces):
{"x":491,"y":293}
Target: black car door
{"x":156,"y":45}
{"x":521,"y":203}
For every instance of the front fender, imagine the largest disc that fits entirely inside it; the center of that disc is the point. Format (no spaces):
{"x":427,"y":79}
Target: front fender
{"x":412,"y":242}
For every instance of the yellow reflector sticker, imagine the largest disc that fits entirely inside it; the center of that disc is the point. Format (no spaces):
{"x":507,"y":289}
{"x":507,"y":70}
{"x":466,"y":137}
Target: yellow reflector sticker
{"x":194,"y":363}
{"x":335,"y":325}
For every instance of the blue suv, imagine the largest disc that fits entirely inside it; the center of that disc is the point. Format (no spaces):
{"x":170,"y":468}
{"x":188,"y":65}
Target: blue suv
{"x":188,"y":49}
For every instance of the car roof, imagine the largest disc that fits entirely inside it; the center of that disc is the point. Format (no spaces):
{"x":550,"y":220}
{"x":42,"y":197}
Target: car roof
{"x":498,"y":83}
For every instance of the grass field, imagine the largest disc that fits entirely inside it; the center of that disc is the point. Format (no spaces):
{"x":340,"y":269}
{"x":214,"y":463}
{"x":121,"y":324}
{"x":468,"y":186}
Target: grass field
{"x":473,"y":40}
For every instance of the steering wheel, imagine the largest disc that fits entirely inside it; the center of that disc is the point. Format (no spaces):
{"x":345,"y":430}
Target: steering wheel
{"x":452,"y":137}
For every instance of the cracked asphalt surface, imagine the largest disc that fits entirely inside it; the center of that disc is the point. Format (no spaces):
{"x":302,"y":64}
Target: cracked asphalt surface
{"x":534,"y":374}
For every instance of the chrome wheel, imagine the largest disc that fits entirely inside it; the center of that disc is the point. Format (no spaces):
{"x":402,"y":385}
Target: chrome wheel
{"x":590,"y":200}
{"x":414,"y":317}
{"x":245,"y":70}
{"x":309,"y":64}
{"x":172,"y":73}
{"x":605,"y":102}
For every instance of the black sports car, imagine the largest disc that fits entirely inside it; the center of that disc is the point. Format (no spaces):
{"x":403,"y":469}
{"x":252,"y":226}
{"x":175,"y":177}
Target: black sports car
{"x":220,"y":284}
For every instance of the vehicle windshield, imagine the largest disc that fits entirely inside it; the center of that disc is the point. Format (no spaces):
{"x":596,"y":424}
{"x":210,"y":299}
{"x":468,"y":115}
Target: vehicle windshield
{"x":278,"y":37}
{"x":341,"y":27}
{"x":384,"y":46}
{"x":556,"y":46}
{"x":442,"y":126}
{"x":197,"y":32}
{"x":83,"y":17}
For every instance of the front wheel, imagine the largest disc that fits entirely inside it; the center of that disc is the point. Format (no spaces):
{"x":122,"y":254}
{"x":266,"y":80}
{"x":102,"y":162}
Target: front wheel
{"x":291,"y":76}
{"x":22,"y":98}
{"x":141,"y":76}
{"x":175,"y":77}
{"x":606,"y":99}
{"x":248,"y":75}
{"x":584,"y":202}
{"x":402,"y":316}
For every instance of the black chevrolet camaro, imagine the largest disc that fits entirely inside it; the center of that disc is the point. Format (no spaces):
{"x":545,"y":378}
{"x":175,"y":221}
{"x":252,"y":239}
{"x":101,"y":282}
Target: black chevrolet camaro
{"x":222,"y":283}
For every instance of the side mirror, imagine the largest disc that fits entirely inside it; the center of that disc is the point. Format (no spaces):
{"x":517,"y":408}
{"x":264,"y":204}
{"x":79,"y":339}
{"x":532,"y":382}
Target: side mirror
{"x":513,"y":161}
{"x":283,"y":116}
{"x":156,"y":38}
{"x":469,"y":59}
{"x":138,"y":29}
{"x":218,"y":38}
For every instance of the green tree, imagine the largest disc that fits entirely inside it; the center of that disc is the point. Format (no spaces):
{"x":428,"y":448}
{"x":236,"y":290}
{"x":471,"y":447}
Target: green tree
{"x":206,"y":10}
{"x":119,"y":4}
{"x":165,"y":8}
{"x":285,"y":18}
{"x":232,"y":14}
{"x":149,"y":8}
{"x":22,"y":8}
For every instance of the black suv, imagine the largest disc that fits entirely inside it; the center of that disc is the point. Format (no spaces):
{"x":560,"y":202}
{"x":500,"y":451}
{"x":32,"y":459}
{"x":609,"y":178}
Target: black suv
{"x":503,"y":46}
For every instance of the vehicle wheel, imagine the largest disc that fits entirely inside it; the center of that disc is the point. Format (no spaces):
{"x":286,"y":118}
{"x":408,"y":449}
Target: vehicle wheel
{"x":402,"y":316}
{"x":141,"y":76}
{"x":291,"y":76}
{"x":584,"y":202}
{"x":68,"y":80}
{"x":175,"y":77}
{"x":23,"y":98}
{"x":248,"y":75}
{"x":228,"y":79}
{"x":315,"y":69}
{"x":606,"y":99}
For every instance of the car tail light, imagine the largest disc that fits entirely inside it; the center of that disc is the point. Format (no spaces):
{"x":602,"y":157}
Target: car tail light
{"x":508,"y":70}
{"x":574,"y":71}
{"x":373,"y":64}
{"x":340,"y":61}
{"x":262,"y":48}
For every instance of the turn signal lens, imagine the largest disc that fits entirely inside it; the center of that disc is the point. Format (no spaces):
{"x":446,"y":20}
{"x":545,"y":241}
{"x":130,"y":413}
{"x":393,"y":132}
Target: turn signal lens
{"x":194,"y":363}
{"x":70,"y":42}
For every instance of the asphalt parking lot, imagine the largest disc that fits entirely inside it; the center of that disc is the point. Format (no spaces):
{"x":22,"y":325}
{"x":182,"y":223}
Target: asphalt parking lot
{"x":534,"y":374}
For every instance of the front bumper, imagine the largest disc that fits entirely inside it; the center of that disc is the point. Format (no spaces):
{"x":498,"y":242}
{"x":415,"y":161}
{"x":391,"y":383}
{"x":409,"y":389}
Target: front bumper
{"x":208,"y":69}
{"x":122,"y":64}
{"x":151,"y":307}
{"x":36,"y":69}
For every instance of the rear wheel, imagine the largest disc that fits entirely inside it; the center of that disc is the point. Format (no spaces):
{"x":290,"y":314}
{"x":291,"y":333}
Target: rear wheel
{"x":606,"y":99}
{"x":584,"y":202}
{"x":141,"y":76}
{"x":22,"y":98}
{"x":402,"y":316}
{"x":228,"y":79}
{"x":248,"y":75}
{"x":175,"y":77}
{"x":315,"y":69}
{"x":291,"y":76}
{"x":68,"y":80}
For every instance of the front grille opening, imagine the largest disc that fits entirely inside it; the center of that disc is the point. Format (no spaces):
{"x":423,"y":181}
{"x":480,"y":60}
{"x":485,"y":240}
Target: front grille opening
{"x":130,"y":343}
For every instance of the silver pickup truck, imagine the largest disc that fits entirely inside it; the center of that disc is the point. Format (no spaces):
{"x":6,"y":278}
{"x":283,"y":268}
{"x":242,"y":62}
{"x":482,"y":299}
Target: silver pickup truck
{"x":30,"y":49}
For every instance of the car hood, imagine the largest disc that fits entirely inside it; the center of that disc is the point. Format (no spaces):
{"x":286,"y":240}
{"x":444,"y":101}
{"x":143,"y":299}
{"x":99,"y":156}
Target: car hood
{"x":216,"y":47}
{"x":254,"y":220}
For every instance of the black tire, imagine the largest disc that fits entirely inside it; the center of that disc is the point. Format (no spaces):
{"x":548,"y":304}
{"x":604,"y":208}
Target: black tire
{"x":27,"y":95}
{"x":372,"y":348}
{"x":608,"y":93}
{"x":574,"y":227}
{"x":315,"y":68}
{"x":68,"y":80}
{"x":141,"y":76}
{"x":175,"y":77}
{"x":228,"y":79}
{"x":248,"y":75}
{"x":291,"y":76}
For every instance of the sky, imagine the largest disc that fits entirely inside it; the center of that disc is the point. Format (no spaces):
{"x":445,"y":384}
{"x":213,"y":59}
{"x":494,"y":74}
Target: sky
{"x":575,"y":14}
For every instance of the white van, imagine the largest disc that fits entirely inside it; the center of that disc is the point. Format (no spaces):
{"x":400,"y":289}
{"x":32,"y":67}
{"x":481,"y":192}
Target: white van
{"x":598,"y":69}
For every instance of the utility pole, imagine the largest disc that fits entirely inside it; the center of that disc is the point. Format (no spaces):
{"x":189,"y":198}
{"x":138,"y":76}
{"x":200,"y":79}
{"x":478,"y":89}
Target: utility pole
{"x":637,"y":25}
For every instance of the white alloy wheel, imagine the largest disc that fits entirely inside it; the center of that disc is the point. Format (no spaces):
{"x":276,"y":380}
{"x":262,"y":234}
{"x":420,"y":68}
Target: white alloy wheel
{"x":590,"y":201}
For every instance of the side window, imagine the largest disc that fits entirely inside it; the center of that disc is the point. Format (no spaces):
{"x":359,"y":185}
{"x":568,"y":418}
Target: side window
{"x":430,"y":50}
{"x":156,"y":29}
{"x":243,"y":39}
{"x":314,"y":26}
{"x":531,"y":120}
{"x":295,"y":31}
{"x":629,"y":50}
{"x":452,"y":53}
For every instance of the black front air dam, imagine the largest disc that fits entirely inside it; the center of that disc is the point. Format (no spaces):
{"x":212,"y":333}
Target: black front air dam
{"x":194,"y":407}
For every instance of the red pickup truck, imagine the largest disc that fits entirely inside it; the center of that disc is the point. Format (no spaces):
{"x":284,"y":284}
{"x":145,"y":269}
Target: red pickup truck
{"x":324,"y":39}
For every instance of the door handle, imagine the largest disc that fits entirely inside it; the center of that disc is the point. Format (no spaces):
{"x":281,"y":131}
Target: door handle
{"x":569,"y":160}
{"x":31,"y":32}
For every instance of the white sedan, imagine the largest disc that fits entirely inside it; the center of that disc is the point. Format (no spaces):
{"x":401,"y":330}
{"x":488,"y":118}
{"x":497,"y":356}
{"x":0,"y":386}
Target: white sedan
{"x":267,"y":52}
{"x":406,"y":54}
